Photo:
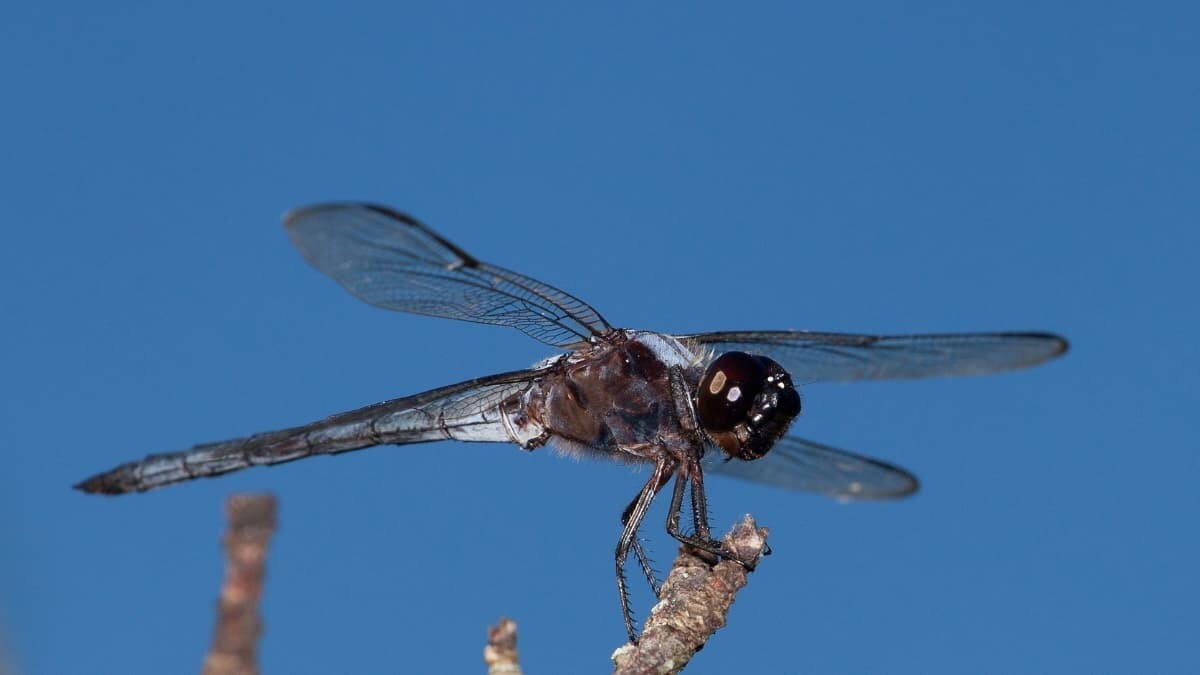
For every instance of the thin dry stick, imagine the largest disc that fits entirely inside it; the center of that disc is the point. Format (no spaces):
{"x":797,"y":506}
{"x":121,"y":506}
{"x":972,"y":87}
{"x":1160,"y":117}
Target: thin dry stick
{"x":500,"y":654}
{"x":235,"y":640}
{"x":694,"y":602}
{"x":5,"y":665}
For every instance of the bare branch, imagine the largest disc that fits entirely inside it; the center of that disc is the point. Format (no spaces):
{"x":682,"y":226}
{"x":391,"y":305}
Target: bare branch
{"x":235,"y":640}
{"x":501,"y":655}
{"x":6,"y":667}
{"x":694,"y":603}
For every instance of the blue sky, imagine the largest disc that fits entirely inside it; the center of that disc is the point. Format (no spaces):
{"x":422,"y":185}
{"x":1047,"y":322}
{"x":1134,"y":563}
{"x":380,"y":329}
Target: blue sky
{"x":683,"y":167}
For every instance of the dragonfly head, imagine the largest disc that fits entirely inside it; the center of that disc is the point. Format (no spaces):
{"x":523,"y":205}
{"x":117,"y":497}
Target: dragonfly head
{"x":745,"y":403}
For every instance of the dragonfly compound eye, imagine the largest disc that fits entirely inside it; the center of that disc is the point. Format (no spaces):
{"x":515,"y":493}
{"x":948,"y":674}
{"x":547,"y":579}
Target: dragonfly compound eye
{"x":746,"y":403}
{"x":728,"y":389}
{"x":772,"y":413}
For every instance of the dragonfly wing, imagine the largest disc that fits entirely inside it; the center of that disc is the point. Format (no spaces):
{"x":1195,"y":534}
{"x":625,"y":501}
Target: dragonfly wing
{"x":843,"y":357}
{"x":389,"y":259}
{"x":803,"y":465}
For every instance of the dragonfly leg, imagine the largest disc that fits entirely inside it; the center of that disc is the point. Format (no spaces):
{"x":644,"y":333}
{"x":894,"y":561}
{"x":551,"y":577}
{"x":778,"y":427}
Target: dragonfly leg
{"x":632,"y":520}
{"x":638,"y":550}
{"x":702,"y":539}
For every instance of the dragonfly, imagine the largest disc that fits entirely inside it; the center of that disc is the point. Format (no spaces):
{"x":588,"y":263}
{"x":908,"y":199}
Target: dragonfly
{"x":684,"y":406}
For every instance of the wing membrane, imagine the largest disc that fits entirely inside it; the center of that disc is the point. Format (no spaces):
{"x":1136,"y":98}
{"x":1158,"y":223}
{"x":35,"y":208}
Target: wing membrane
{"x":798,"y":464}
{"x":391,"y":260}
{"x":842,"y":357}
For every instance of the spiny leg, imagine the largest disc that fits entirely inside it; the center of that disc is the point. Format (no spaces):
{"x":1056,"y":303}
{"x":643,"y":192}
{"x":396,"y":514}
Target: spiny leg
{"x":699,"y":502}
{"x":701,"y":539}
{"x":663,"y":468}
{"x":638,"y":551}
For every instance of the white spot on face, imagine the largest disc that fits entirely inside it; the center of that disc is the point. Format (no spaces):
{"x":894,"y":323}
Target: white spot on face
{"x":717,"y":384}
{"x":855,"y":487}
{"x":734,"y":394}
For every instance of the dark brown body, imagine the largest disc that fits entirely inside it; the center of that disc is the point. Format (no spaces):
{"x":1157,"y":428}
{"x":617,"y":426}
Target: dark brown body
{"x":615,"y":398}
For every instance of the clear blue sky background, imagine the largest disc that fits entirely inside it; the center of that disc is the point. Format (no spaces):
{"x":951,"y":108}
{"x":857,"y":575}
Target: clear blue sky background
{"x":881,"y":167}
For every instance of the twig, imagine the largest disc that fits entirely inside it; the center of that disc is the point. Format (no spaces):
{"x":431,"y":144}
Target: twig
{"x":6,"y":667}
{"x":501,"y":655}
{"x":235,"y":640}
{"x":694,"y":602}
